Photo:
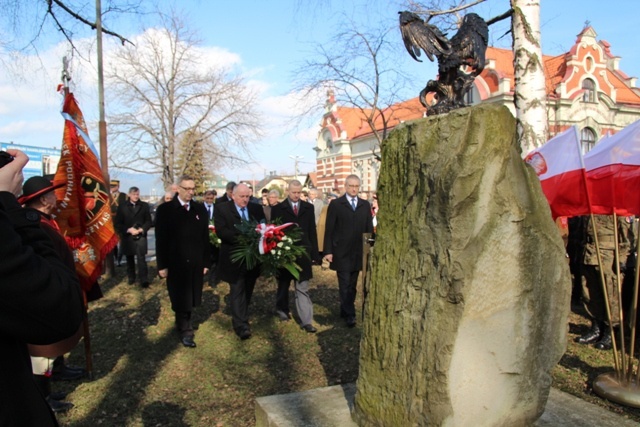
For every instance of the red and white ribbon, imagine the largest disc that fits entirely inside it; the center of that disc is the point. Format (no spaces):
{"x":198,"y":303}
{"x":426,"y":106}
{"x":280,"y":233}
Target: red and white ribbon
{"x":270,"y":235}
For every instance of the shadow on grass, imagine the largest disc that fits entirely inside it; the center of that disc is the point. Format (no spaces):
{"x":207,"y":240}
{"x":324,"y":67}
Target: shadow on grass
{"x":159,"y":414}
{"x":339,"y":356}
{"x":129,"y":354}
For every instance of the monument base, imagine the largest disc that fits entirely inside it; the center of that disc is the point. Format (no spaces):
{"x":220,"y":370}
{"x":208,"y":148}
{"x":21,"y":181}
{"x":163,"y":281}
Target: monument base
{"x":331,"y":407}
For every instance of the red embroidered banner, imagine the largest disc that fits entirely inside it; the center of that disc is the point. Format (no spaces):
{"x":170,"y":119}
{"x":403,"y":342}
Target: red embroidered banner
{"x":83,"y":213}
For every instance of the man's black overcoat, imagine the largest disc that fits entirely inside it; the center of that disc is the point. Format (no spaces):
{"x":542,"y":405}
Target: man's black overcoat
{"x":182,"y":246}
{"x":127,"y":217}
{"x":343,"y":233}
{"x":226,"y":216}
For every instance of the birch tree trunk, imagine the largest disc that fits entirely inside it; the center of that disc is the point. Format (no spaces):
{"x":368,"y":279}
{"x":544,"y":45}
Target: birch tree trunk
{"x":530,"y":94}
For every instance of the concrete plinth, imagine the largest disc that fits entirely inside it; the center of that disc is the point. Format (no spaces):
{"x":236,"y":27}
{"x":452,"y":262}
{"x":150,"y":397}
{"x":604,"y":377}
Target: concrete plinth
{"x":331,"y":407}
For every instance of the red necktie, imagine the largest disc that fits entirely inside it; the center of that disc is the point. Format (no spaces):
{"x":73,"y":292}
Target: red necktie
{"x":295,"y":209}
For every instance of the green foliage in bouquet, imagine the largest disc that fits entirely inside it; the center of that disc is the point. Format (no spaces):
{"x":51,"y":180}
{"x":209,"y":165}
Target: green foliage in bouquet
{"x":273,"y":246}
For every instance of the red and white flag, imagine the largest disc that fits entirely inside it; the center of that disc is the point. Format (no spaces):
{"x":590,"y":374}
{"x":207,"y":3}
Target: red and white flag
{"x":558,"y":164}
{"x":613,"y":173}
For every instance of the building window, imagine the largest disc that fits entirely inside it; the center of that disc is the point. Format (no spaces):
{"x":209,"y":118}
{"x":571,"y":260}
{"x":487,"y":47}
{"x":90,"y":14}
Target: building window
{"x":587,"y":140}
{"x":589,"y":94}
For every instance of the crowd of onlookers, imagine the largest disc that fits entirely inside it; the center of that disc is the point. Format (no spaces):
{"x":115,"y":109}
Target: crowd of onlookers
{"x":43,"y":305}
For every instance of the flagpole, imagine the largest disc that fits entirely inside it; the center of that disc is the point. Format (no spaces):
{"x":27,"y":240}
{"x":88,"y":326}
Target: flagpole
{"x":634,"y":308}
{"x":619,"y":283}
{"x":616,"y":362}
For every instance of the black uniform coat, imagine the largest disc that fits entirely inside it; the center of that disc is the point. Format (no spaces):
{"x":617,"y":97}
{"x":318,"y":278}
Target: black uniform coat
{"x":307,"y":222}
{"x":343,"y":233}
{"x":128,"y":216}
{"x":40,"y":303}
{"x":182,"y":246}
{"x":225,"y":217}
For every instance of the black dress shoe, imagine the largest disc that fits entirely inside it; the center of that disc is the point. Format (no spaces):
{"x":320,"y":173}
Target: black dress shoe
{"x":188,"y":342}
{"x":145,"y":284}
{"x":57,"y":406}
{"x":351,"y":322}
{"x":309,"y":328}
{"x":282,"y":315}
{"x":592,"y":335}
{"x":245,"y":334}
{"x":131,"y":281}
{"x":605,"y":342}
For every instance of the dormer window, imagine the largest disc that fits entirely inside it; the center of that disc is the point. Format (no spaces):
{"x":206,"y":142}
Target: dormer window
{"x":587,"y":140}
{"x":589,"y":88}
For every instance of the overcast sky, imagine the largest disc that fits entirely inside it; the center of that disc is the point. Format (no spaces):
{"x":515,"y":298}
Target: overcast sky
{"x":267,"y":41}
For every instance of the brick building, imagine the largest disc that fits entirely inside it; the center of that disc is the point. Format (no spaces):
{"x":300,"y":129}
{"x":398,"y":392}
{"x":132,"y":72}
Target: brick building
{"x":585,"y":87}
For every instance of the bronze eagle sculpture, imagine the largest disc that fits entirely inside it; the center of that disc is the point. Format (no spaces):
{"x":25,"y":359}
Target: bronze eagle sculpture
{"x":460,"y":59}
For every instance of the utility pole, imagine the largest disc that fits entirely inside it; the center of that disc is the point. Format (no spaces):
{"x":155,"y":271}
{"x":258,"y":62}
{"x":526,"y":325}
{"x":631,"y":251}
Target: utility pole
{"x":295,"y":160}
{"x":102,"y":124}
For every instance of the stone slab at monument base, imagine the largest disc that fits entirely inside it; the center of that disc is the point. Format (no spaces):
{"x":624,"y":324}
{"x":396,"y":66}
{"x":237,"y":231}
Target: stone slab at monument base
{"x":331,"y":407}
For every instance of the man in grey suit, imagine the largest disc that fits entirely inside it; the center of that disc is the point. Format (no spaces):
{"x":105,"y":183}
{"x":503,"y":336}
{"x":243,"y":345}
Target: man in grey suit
{"x":299,"y":212}
{"x":317,"y":202}
{"x":348,"y":217}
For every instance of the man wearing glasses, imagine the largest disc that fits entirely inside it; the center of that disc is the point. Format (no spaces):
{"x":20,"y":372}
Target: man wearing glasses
{"x":183,"y":254}
{"x":348,"y":217}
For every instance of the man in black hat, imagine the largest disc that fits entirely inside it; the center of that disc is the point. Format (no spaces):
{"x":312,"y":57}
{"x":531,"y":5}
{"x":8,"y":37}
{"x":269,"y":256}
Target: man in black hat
{"x":38,"y":194}
{"x":133,"y":221}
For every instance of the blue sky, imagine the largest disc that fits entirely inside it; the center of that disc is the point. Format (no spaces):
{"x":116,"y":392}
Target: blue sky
{"x":269,"y":40}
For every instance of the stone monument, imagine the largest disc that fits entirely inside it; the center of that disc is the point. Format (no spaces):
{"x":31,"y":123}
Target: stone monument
{"x":468,"y":287}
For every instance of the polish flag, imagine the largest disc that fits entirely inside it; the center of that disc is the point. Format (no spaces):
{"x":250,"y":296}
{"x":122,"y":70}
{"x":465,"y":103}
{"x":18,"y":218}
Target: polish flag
{"x":613,"y":173}
{"x":558,"y":164}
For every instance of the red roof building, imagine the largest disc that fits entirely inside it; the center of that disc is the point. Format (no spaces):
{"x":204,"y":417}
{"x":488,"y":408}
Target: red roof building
{"x":585,"y":87}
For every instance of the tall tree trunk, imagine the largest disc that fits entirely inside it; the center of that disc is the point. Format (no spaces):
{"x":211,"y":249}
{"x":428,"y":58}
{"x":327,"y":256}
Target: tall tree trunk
{"x":530,"y":94}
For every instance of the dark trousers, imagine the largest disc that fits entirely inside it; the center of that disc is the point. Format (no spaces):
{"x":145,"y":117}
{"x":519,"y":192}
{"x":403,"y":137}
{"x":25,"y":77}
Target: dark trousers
{"x":282,"y":296}
{"x":240,"y":295}
{"x":140,"y":259}
{"x":183,"y":323}
{"x":347,"y":284}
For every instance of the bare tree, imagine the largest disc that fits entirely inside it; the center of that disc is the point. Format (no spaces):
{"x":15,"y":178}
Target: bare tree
{"x":530,"y":92}
{"x":357,"y":66}
{"x":29,"y":21}
{"x":165,"y":93}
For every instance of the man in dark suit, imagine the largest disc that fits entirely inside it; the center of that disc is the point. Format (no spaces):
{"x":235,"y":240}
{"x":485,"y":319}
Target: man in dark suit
{"x":40,"y":301}
{"x":348,"y":217}
{"x":117,"y":198}
{"x":183,"y":253}
{"x":295,"y":210}
{"x":132,"y":222}
{"x":209,"y":205}
{"x":241,"y":280}
{"x":227,"y":196}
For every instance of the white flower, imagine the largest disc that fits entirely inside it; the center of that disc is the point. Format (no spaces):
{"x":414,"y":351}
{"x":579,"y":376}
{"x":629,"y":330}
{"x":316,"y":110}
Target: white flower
{"x":287,"y":247}
{"x":280,"y":244}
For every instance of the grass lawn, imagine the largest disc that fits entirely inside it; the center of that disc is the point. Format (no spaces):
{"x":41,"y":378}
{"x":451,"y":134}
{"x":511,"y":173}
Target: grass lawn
{"x":143,"y":376}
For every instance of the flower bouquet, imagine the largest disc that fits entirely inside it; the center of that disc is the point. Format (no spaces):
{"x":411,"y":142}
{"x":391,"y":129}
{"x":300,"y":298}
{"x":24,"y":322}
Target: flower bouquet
{"x":274,"y":246}
{"x":213,"y":237}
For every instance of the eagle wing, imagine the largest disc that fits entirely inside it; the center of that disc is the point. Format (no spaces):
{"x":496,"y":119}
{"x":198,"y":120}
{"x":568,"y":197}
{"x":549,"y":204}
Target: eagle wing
{"x":417,"y":34}
{"x":470,"y":42}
